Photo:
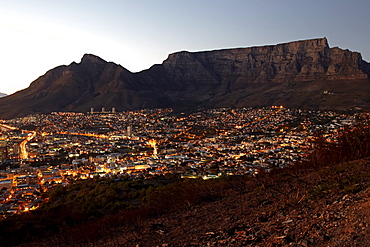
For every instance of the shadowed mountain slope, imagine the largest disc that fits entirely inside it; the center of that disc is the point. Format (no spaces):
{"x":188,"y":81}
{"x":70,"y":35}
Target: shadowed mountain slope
{"x":306,"y":74}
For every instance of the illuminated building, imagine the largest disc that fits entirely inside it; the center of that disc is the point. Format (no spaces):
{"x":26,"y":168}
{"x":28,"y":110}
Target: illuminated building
{"x":129,"y":130}
{"x":27,"y":179}
{"x":6,"y":184}
{"x":3,"y":153}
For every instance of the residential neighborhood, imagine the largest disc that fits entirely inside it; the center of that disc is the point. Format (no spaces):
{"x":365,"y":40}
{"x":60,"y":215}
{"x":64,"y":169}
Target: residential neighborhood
{"x":39,"y":152}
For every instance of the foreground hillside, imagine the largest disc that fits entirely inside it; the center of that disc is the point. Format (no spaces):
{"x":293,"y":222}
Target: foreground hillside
{"x":301,"y":206}
{"x":329,"y":207}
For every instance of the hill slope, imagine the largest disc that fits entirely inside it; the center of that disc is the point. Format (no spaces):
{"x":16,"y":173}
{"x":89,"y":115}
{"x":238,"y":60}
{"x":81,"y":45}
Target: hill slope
{"x":298,"y":206}
{"x":304,"y":74}
{"x":328,"y":207}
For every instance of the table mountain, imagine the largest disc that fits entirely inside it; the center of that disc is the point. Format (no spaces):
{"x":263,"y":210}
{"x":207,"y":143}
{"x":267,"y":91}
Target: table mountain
{"x":306,"y":74}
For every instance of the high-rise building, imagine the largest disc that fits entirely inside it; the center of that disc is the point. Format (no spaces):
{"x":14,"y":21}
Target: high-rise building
{"x":3,"y":153}
{"x":129,"y":130}
{"x":14,"y":149}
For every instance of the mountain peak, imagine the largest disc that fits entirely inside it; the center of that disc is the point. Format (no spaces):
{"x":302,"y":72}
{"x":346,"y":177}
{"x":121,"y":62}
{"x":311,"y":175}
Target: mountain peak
{"x":300,"y":74}
{"x":92,"y":59}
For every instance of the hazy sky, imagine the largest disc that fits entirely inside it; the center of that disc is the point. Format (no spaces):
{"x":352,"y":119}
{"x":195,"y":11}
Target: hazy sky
{"x":38,"y":35}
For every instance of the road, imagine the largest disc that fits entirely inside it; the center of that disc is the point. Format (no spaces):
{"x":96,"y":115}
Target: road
{"x":23,"y":152}
{"x":7,"y":127}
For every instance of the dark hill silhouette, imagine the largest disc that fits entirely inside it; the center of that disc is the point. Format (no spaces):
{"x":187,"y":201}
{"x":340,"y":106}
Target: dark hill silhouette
{"x":302,"y":74}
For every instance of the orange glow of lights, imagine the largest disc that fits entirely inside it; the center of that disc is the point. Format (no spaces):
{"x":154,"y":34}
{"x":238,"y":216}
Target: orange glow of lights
{"x":153,"y":144}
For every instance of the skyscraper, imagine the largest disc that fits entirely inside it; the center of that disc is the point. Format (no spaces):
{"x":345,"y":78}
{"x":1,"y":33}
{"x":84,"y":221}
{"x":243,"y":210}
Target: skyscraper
{"x":129,"y":130}
{"x":3,"y":153}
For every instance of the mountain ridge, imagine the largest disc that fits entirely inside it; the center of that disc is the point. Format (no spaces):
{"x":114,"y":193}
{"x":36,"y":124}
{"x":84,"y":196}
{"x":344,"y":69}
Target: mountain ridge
{"x":300,"y":74}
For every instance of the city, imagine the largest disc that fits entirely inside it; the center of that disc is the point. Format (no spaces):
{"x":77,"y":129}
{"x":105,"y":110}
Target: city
{"x":39,"y":152}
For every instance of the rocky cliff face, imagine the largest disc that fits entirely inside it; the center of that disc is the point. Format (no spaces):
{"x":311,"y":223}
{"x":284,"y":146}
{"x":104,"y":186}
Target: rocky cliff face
{"x":305,"y":60}
{"x":295,"y":74}
{"x":306,"y":74}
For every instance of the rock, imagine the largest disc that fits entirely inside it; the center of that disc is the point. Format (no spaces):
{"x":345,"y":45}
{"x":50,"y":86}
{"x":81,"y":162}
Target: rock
{"x":287,"y":221}
{"x":304,"y":243}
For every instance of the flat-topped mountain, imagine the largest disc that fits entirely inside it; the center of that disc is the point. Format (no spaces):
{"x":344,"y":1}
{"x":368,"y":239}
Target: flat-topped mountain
{"x":306,"y":74}
{"x":3,"y":95}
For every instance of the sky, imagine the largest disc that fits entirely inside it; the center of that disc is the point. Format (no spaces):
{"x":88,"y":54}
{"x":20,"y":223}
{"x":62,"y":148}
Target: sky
{"x":39,"y":35}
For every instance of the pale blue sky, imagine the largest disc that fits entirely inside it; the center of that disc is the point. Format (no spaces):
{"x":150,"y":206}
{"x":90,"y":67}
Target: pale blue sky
{"x":38,"y":35}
